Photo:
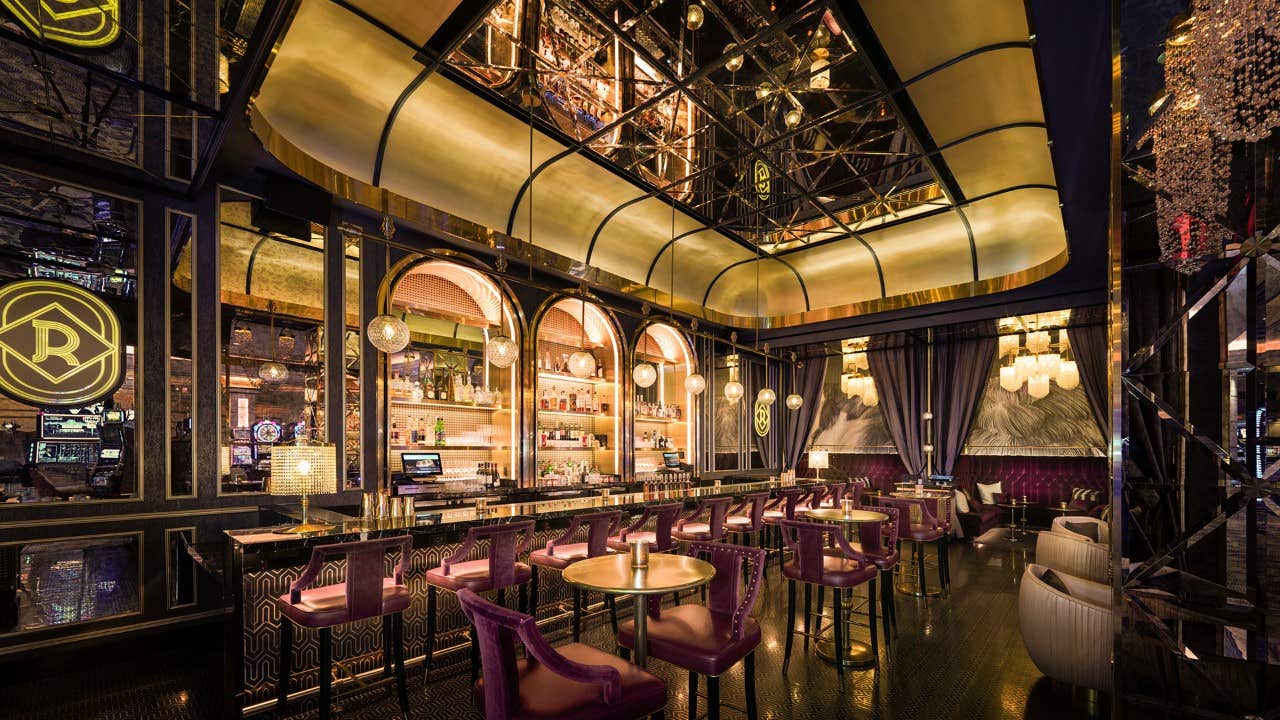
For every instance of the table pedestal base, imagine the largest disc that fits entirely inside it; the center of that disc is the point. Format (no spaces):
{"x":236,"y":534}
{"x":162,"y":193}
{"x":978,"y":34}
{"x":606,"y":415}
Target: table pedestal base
{"x":856,"y":654}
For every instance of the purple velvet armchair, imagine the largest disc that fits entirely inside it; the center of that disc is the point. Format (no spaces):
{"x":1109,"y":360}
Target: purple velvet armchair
{"x":709,"y":639}
{"x":571,"y":682}
{"x":663,"y":519}
{"x":571,"y":547}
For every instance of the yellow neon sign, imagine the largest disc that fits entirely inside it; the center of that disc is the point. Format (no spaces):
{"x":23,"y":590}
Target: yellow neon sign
{"x":59,"y":344}
{"x":762,"y":418}
{"x":77,"y":23}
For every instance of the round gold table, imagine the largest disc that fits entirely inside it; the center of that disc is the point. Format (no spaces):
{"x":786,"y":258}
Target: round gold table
{"x":613,"y":575}
{"x":857,"y":654}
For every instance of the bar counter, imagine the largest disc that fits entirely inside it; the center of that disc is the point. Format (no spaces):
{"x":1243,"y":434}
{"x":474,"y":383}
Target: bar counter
{"x":262,"y":562}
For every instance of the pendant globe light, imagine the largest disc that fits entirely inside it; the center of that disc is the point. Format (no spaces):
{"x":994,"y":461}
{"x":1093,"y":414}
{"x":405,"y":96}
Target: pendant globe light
{"x":501,"y":350}
{"x":582,"y":364}
{"x":695,"y":384}
{"x":733,"y":391}
{"x":644,"y":374}
{"x":766,"y":396}
{"x":387,"y":332}
{"x":272,"y":371}
{"x":795,"y":400}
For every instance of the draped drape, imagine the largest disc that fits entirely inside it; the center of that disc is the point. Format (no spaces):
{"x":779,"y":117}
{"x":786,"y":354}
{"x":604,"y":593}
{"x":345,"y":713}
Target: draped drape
{"x":809,"y":380}
{"x":898,"y":367}
{"x":962,"y":366}
{"x":1089,"y":345}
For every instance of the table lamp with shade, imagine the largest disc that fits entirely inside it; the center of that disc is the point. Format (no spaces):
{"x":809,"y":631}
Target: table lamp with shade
{"x":304,"y":469}
{"x":819,"y":460}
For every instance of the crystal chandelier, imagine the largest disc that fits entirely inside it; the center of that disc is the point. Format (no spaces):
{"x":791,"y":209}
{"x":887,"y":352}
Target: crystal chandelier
{"x":272,"y":371}
{"x":1236,"y":46}
{"x":1035,"y":360}
{"x":1190,"y":168}
{"x":855,"y":378}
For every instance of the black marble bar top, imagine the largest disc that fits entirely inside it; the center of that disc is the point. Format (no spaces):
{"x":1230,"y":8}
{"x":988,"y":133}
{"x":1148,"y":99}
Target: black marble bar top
{"x":447,"y":524}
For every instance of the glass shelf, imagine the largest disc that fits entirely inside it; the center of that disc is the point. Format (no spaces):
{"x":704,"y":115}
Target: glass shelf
{"x":571,"y":413}
{"x":447,"y":405}
{"x":572,"y":378}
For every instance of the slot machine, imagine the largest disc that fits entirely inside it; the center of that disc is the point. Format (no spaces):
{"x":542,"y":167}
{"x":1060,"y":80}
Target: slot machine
{"x":266,"y":434}
{"x":113,"y":449}
{"x":63,"y":458}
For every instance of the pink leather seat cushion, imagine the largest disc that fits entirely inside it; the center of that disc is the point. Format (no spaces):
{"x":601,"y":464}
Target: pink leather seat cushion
{"x":837,"y":571}
{"x":617,"y":543}
{"x":545,"y":695}
{"x":923,"y":533}
{"x":473,"y":575}
{"x":693,"y":531}
{"x":695,"y":638}
{"x":326,"y":606}
{"x":560,"y":557}
{"x":884,"y":562}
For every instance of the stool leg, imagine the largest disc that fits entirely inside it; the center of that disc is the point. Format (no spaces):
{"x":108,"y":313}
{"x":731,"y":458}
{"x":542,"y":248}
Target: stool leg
{"x":838,"y":610}
{"x":533,"y":592}
{"x":920,"y":565}
{"x":397,"y":640}
{"x":577,"y":614}
{"x":822,"y":609}
{"x":524,"y":598}
{"x":475,"y":656}
{"x":942,"y":564}
{"x":431,"y":634}
{"x":871,"y":610}
{"x":713,"y":697}
{"x":808,"y":606}
{"x":326,"y":672}
{"x":749,"y":669}
{"x":386,"y":646}
{"x":286,"y":664}
{"x":893,"y":600}
{"x":693,"y":695}
{"x":502,"y":597}
{"x":791,"y":623}
{"x":613,"y":613}
{"x":886,"y":600}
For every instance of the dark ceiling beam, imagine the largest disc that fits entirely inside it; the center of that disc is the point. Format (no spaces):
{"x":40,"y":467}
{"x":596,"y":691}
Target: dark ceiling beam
{"x":461,"y":23}
{"x":272,"y":21}
{"x":711,"y":286}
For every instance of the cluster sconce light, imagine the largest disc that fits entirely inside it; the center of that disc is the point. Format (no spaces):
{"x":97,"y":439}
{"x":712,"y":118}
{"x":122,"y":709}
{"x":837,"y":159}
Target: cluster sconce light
{"x":1034,"y":358}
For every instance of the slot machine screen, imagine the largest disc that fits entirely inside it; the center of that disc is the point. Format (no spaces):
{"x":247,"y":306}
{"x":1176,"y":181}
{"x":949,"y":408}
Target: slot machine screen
{"x":64,"y":453}
{"x":60,"y":426}
{"x":113,"y":416}
{"x":241,"y":454}
{"x":109,"y":453}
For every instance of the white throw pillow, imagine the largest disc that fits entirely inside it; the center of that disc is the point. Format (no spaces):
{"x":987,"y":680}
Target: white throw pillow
{"x":962,"y":501}
{"x":987,"y":493}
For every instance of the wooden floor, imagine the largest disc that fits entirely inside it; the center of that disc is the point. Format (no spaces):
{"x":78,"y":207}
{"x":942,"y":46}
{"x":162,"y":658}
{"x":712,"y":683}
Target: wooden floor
{"x":957,"y":656}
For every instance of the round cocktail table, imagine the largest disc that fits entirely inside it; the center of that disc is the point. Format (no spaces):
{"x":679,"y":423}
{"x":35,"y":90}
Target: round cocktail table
{"x":613,"y":575}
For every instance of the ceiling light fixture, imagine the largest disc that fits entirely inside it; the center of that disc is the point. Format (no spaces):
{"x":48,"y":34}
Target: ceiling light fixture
{"x":694,"y":16}
{"x":734,"y":63}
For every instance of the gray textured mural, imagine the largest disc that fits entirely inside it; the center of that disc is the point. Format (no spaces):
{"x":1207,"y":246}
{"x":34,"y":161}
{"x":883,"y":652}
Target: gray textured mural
{"x":845,"y":424}
{"x":1058,"y":424}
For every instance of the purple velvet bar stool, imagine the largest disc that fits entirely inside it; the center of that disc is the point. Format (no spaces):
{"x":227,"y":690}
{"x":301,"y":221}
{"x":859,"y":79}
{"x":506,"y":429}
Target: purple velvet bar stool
{"x":745,"y":521}
{"x":835,"y":492}
{"x":812,"y":564}
{"x":705,"y":523}
{"x":709,"y":639}
{"x":365,"y":594}
{"x":783,"y":506}
{"x":497,"y":571}
{"x":878,"y":542}
{"x":659,"y":538}
{"x":572,"y":681}
{"x":919,"y":525}
{"x":570,"y":548}
{"x":817,"y":493}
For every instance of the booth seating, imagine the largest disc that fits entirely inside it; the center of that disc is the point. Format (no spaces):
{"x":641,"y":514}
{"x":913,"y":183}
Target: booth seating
{"x":1089,"y":528}
{"x":571,"y":681}
{"x":365,"y":594}
{"x":569,"y":548}
{"x":978,"y":518}
{"x":1067,"y":629}
{"x":499,"y":570}
{"x":1074,"y":555}
{"x":710,"y":639}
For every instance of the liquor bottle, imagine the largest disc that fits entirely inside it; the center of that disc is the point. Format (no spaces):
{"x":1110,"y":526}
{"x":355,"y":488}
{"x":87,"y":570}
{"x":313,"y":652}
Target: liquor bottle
{"x":468,"y":395}
{"x":562,"y":399}
{"x":439,"y":431}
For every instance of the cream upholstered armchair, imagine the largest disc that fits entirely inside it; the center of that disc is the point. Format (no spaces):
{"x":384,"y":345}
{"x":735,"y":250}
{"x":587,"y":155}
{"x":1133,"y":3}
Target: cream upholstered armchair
{"x":1068,"y":636}
{"x":1072,"y":554}
{"x":1100,"y":534}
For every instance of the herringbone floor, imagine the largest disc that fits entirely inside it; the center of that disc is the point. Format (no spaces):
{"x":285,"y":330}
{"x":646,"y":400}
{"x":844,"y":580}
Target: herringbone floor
{"x":958,"y":656}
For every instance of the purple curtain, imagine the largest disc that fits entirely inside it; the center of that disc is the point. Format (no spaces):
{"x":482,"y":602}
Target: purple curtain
{"x":809,"y":381}
{"x":962,"y":366}
{"x":1089,"y":345}
{"x":898,"y":363}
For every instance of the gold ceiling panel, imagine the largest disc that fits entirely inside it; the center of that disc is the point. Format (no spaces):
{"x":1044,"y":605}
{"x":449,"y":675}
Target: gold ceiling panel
{"x":978,"y":93}
{"x":931,"y":32}
{"x":323,"y":92}
{"x":451,"y":153}
{"x":1016,"y":230}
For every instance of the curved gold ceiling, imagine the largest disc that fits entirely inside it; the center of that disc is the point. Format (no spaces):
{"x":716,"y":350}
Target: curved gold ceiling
{"x":971,"y":78}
